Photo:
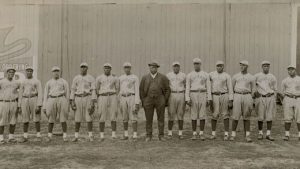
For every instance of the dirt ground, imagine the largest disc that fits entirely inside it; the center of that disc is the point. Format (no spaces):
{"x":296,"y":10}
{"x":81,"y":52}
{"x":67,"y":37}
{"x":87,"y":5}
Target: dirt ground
{"x":173,"y":154}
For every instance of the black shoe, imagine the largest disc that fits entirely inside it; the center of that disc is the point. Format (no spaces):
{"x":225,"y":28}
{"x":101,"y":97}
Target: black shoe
{"x":161,"y":138}
{"x":148,"y":139}
{"x":270,"y":138}
{"x":260,"y":137}
{"x":286,"y":138}
{"x":202,"y":138}
{"x":124,"y":138}
{"x":23,"y":140}
{"x":12,"y":140}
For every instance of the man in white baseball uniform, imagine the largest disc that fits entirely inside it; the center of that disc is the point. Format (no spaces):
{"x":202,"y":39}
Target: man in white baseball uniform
{"x":244,"y":88}
{"x":9,"y":107}
{"x":129,"y":100}
{"x":291,"y":102}
{"x":266,"y":88}
{"x":56,"y":102}
{"x":222,"y":96}
{"x":107,"y":88}
{"x":198,"y":96}
{"x":83,"y":99}
{"x":176,"y":105}
{"x":31,"y":101}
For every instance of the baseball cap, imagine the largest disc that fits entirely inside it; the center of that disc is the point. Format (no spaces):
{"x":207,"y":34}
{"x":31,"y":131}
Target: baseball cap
{"x":55,"y":68}
{"x":107,"y":65}
{"x":175,"y":63}
{"x":265,"y":62}
{"x":127,"y":64}
{"x":154,"y":63}
{"x":197,"y":60}
{"x":84,"y":64}
{"x":219,"y":63}
{"x":244,"y":62}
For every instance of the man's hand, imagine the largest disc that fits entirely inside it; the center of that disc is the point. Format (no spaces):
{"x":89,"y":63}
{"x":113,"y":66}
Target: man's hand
{"x":230,"y":104}
{"x":38,"y":110}
{"x":19,"y":110}
{"x":137,"y":107}
{"x":92,"y":109}
{"x":73,"y":105}
{"x":210,"y":104}
{"x":256,"y":94}
{"x":189,"y":103}
{"x":44,"y":110}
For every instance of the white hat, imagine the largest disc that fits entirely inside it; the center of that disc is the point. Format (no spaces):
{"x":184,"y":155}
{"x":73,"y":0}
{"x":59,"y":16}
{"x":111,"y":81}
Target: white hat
{"x":29,"y":67}
{"x":84,"y":64}
{"x":127,"y":64}
{"x":55,"y":68}
{"x":244,"y":62}
{"x":219,"y":63}
{"x":197,"y":60}
{"x":291,"y":66}
{"x":175,"y":63}
{"x":265,"y":62}
{"x":107,"y":65}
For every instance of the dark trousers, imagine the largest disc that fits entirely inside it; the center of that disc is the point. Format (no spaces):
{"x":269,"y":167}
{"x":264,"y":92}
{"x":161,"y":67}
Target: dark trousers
{"x":158,"y":103}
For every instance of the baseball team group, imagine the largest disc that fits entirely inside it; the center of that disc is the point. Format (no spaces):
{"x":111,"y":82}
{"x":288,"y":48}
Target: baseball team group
{"x":208,"y":96}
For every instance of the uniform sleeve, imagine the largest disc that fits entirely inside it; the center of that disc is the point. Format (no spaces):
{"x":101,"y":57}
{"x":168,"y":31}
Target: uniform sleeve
{"x":73,"y":89}
{"x":97,"y":85}
{"x":274,"y":84}
{"x":40,"y":94}
{"x":229,"y":86}
{"x":137,"y":91}
{"x":46,"y":92}
{"x":67,"y":89}
{"x":117,"y":85}
{"x":283,"y":87}
{"x":208,"y":87}
{"x":188,"y":87}
{"x":253,"y":85}
{"x":21,"y":91}
{"x":233,"y":82}
{"x":93,"y":88}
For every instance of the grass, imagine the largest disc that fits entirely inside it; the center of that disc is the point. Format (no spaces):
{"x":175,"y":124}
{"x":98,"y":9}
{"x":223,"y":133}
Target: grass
{"x":173,"y":154}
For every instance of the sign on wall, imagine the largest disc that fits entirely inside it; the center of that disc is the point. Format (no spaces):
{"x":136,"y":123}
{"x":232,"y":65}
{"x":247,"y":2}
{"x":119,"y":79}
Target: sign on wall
{"x":18,"y":38}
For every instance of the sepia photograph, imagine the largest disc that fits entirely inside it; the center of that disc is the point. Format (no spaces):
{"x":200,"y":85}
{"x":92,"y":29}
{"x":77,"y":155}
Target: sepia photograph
{"x":149,"y":84}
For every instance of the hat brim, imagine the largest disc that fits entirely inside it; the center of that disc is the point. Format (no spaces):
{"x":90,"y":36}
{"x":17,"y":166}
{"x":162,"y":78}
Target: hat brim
{"x":10,"y":69}
{"x":55,"y":70}
{"x":153,"y":65}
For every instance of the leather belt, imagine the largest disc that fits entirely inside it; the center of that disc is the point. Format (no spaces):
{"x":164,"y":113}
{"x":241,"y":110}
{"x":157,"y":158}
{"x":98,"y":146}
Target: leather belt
{"x":292,"y":96}
{"x":107,"y":94}
{"x":242,"y":93}
{"x":82,"y":95}
{"x":34,"y":95}
{"x":267,"y":95}
{"x":57,"y":96}
{"x":200,"y":91}
{"x":127,"y":95}
{"x":218,"y":93}
{"x":177,"y":91}
{"x":15,"y":100}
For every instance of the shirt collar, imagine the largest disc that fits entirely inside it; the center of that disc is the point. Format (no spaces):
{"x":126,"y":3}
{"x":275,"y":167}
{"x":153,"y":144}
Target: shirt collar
{"x":153,"y":75}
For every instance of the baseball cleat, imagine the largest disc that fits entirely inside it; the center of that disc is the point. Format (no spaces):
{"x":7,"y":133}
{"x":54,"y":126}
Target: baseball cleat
{"x":75,"y":139}
{"x":161,"y":139}
{"x":23,"y":140}
{"x":180,"y":137}
{"x":226,"y":138}
{"x":2,"y":142}
{"x":202,"y":138}
{"x":248,"y":139}
{"x":286,"y":138}
{"x":212,"y":137}
{"x":232,"y":138}
{"x":12,"y":140}
{"x":270,"y":138}
{"x":260,"y":137}
{"x":194,"y":137}
{"x":65,"y":139}
{"x":124,"y":138}
{"x":91,"y":139}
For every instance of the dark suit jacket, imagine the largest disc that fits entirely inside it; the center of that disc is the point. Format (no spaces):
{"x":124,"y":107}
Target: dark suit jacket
{"x":163,"y":82}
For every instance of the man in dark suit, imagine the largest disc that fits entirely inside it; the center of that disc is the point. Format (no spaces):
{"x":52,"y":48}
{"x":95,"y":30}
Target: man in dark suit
{"x":154,"y":93}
